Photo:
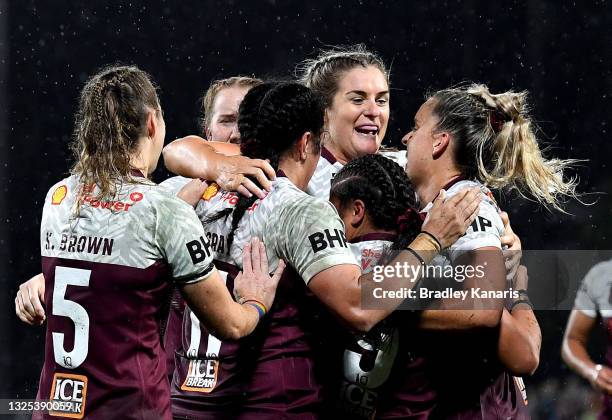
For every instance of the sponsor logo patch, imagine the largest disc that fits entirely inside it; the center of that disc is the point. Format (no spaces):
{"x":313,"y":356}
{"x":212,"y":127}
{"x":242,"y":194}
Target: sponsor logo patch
{"x":59,"y":194}
{"x":68,"y":395}
{"x":201,"y":376}
{"x":210,"y":192}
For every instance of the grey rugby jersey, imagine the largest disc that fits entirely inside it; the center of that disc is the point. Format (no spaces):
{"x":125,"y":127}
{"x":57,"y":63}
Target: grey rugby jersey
{"x":303,"y":230}
{"x":141,"y":226}
{"x":594,"y":294}
{"x":485,"y":231}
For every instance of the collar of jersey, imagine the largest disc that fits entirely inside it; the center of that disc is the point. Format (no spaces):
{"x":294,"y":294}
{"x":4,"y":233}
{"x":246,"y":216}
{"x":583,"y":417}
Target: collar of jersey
{"x":328,"y":156}
{"x":374,"y":236}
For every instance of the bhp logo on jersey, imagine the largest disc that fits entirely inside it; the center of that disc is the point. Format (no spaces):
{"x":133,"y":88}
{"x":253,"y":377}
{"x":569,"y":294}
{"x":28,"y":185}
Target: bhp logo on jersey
{"x":326,"y":239}
{"x":68,"y":394}
{"x":198,"y":250}
{"x":59,"y":194}
{"x":201,"y":376}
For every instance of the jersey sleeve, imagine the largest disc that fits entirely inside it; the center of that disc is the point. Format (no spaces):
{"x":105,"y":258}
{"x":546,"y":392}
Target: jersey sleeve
{"x":181,"y":239}
{"x":309,"y":235}
{"x":173,"y":185}
{"x":592,"y":286}
{"x":485,"y":231}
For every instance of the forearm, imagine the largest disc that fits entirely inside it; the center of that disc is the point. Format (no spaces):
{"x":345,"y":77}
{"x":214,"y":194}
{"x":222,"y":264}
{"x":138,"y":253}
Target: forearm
{"x":458,"y":319}
{"x":400,"y":274}
{"x":575,"y":354}
{"x":520,"y":339}
{"x":192,"y":157}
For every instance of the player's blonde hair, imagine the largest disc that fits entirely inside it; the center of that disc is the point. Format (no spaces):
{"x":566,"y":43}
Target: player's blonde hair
{"x":111,"y":118}
{"x":494,"y":141}
{"x":208,"y":100}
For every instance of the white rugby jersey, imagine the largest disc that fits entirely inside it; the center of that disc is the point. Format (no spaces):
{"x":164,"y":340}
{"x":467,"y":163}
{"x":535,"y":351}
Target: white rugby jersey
{"x":485,"y":231}
{"x":327,"y":168}
{"x":141,"y":226}
{"x":398,"y":156}
{"x":368,"y":249}
{"x":595,"y":291}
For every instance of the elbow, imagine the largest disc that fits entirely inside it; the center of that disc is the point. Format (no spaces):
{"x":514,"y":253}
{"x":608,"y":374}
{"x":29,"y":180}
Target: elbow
{"x":360,"y":321}
{"x":527,"y":365}
{"x":167,"y":154}
{"x":229,"y":332}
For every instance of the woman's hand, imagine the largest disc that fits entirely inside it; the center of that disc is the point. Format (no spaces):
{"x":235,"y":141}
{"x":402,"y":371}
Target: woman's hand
{"x":30,"y":299}
{"x":191,"y":193}
{"x":254,"y":281}
{"x":511,"y":246}
{"x":233,"y":173}
{"x":447,"y":220}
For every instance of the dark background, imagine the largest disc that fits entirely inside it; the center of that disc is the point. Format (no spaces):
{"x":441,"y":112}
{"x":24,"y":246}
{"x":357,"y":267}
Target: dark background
{"x":560,"y":52}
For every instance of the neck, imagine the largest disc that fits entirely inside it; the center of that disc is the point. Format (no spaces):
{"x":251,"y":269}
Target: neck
{"x":340,"y":157}
{"x":137,"y":163}
{"x":294,"y":172}
{"x":427,"y":191}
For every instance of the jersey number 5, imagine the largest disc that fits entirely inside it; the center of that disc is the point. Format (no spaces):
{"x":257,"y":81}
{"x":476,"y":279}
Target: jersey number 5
{"x":64,"y":277}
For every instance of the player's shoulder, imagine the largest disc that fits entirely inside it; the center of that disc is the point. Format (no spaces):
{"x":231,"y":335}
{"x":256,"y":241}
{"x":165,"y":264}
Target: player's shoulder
{"x":64,"y":187}
{"x":174,"y":184}
{"x":154,"y":197}
{"x":488,"y":206}
{"x":598,"y":274}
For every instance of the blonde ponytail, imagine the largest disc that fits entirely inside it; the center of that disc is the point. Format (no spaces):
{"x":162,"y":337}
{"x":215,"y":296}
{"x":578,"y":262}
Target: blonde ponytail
{"x":496,"y":142}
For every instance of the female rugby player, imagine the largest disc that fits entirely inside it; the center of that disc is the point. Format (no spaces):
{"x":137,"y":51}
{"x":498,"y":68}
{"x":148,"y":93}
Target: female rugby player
{"x":462,"y":137}
{"x":108,"y":251}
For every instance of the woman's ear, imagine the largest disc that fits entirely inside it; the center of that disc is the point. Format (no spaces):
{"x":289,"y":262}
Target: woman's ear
{"x":304,"y":145}
{"x":151,"y":123}
{"x":441,"y":141}
{"x":358,"y":212}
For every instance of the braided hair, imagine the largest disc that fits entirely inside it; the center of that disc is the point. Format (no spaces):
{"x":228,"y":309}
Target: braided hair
{"x":272,"y":117}
{"x":389,"y":198}
{"x":111,"y":118}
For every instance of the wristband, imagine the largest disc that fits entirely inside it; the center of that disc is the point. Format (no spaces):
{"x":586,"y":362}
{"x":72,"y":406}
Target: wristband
{"x":519,"y":301}
{"x":261,"y":308}
{"x":434,"y":238}
{"x":597,"y":369}
{"x":425,"y":246}
{"x":418,"y":257}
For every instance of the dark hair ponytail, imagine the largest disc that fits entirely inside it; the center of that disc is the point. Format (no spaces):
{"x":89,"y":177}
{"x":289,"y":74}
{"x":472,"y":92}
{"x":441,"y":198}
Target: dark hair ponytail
{"x":389,"y":198}
{"x":272,"y":117}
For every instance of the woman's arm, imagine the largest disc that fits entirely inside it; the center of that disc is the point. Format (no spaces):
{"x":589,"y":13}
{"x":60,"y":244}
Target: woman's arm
{"x":469,"y":313}
{"x":574,"y":352}
{"x":194,"y":157}
{"x":520,"y":337}
{"x":214,"y":306}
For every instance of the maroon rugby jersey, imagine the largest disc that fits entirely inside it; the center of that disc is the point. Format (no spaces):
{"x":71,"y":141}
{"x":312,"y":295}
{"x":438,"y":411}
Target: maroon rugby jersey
{"x":106,"y":281}
{"x":453,"y":375}
{"x":278,"y":371}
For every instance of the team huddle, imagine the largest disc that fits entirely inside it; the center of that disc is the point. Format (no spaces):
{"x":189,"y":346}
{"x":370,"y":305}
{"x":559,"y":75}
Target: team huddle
{"x":236,"y":290}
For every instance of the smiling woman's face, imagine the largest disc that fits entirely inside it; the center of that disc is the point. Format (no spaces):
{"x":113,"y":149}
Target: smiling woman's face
{"x":358,"y":116}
